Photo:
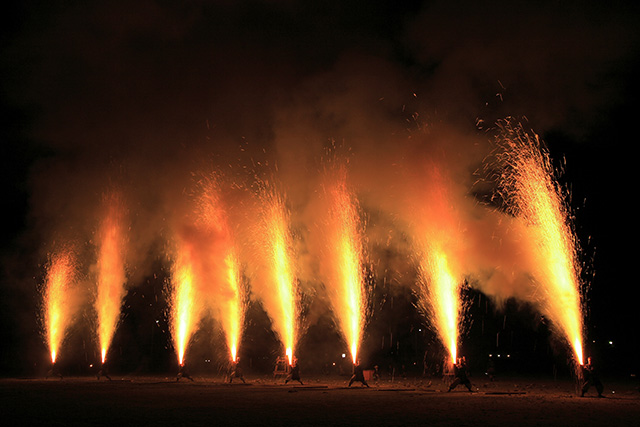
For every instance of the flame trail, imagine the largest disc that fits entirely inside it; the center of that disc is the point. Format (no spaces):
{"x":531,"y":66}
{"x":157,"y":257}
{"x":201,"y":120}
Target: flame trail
{"x":346,"y":247}
{"x":185,"y":312}
{"x":279,"y":246}
{"x":111,"y":274}
{"x":440,"y":283}
{"x":232,"y":321}
{"x":227,"y":300}
{"x":530,"y":189}
{"x":61,"y":273}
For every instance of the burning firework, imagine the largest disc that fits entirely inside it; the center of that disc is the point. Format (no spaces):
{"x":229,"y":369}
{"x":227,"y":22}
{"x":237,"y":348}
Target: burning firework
{"x":440,"y":281}
{"x":279,"y":261}
{"x":61,"y":273}
{"x":346,"y":280}
{"x":532,"y":193}
{"x":111,"y":273}
{"x":227,"y":300}
{"x":184,"y":305}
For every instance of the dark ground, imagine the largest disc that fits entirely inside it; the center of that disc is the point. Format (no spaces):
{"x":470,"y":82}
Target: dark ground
{"x":326,"y":401}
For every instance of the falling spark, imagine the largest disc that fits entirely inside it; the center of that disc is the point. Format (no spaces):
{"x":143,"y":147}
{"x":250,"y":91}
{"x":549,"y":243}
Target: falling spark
{"x":279,"y":246}
{"x":184,"y":306}
{"x":530,"y":189}
{"x":61,"y":273}
{"x":440,"y":283}
{"x":111,"y":273}
{"x":345,"y":240}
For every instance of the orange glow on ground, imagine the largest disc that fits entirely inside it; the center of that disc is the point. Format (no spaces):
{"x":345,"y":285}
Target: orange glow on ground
{"x":534,"y":196}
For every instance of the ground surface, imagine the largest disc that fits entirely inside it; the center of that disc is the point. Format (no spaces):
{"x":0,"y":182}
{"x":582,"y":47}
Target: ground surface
{"x":326,"y":402}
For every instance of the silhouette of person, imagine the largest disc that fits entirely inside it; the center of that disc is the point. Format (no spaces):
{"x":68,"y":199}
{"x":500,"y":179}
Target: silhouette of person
{"x":294,"y":373}
{"x":184,"y":373}
{"x":236,"y":371}
{"x":103,"y":372}
{"x":460,"y":376}
{"x":358,"y":375}
{"x":591,"y":378}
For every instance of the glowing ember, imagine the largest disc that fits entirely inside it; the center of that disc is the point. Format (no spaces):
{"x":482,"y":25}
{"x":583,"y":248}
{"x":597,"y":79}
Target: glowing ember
{"x":532,"y":194}
{"x":345,"y":240}
{"x":111,"y":273}
{"x":440,"y":282}
{"x":61,"y":272}
{"x":185,"y":313}
{"x":279,"y":246}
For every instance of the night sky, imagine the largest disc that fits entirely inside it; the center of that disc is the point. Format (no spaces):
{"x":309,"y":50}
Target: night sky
{"x":148,"y":92}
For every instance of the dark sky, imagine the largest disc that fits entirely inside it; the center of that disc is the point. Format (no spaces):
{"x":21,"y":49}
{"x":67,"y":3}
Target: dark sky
{"x":152,"y":90}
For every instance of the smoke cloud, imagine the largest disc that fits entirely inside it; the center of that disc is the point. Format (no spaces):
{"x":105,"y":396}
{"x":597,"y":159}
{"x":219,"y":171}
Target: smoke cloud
{"x":155,"y":96}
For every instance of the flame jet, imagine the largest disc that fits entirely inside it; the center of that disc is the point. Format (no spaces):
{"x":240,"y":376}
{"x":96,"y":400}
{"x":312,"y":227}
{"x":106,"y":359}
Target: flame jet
{"x":57,"y":305}
{"x":531,"y":192}
{"x":224,"y":277}
{"x":184,"y":305}
{"x":346,"y":260}
{"x":278,"y":247}
{"x":440,"y":281}
{"x":111,"y":272}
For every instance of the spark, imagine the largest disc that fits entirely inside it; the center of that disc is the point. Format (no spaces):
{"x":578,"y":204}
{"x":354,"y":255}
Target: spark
{"x":532,"y":193}
{"x":111,"y":273}
{"x":279,"y":247}
{"x":61,"y":273}
{"x":347,"y":282}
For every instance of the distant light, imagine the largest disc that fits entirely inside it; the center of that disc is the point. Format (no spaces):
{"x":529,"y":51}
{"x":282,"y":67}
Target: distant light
{"x":498,"y":355}
{"x":334,"y":363}
{"x":344,"y":355}
{"x":508,"y":355}
{"x":490,"y":355}
{"x":610,"y":342}
{"x":419,"y":330}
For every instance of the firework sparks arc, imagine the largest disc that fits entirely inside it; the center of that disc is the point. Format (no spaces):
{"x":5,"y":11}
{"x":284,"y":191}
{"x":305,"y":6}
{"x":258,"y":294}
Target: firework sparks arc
{"x":111,"y":273}
{"x":345,"y":239}
{"x":61,"y":274}
{"x":529,"y":187}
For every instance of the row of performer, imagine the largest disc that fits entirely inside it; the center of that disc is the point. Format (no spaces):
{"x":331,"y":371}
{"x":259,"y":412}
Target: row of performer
{"x":588,"y":373}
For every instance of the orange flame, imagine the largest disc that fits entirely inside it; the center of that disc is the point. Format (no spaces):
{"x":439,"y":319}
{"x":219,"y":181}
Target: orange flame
{"x":227,"y":302}
{"x":440,"y":282}
{"x":232,"y":321}
{"x":184,"y":312}
{"x":111,"y":274}
{"x":442,"y":292}
{"x":61,"y":273}
{"x":345,"y":240}
{"x":534,"y":195}
{"x":280,"y":258}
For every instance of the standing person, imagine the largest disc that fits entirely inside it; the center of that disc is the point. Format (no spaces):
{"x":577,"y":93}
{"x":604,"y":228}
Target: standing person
{"x":54,"y":371}
{"x":103,"y":372}
{"x":183,"y":373}
{"x":460,"y":376}
{"x":590,"y":376}
{"x":294,"y":373}
{"x":358,"y":375}
{"x":236,"y":371}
